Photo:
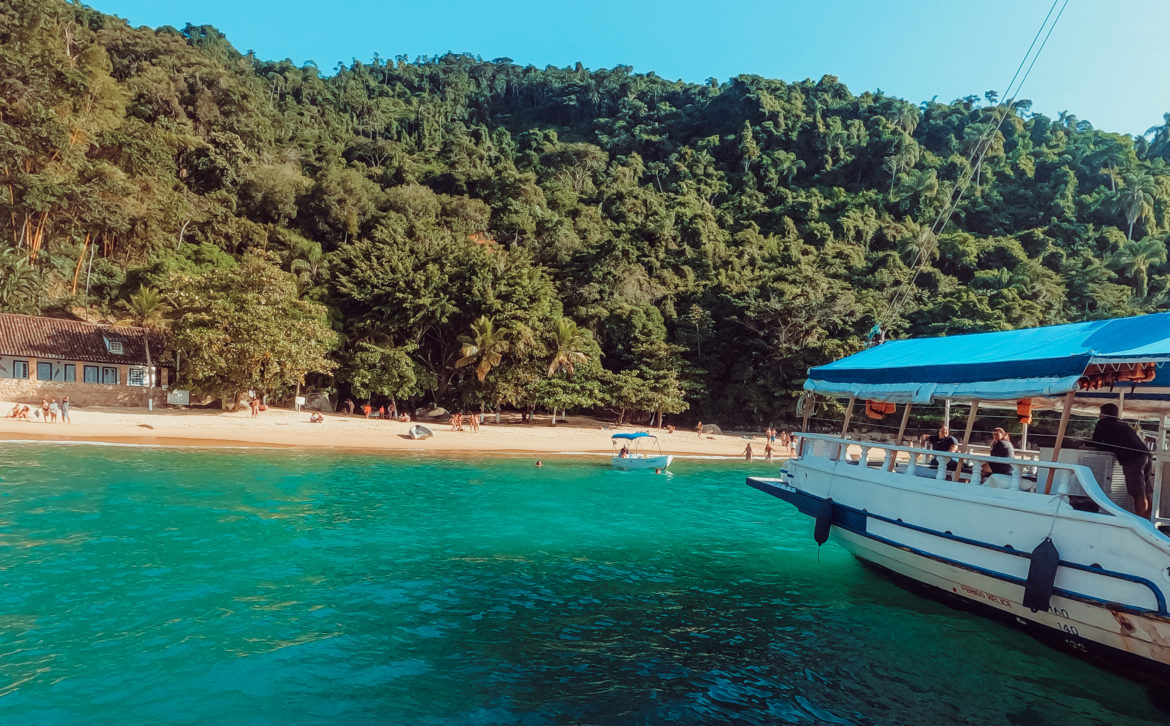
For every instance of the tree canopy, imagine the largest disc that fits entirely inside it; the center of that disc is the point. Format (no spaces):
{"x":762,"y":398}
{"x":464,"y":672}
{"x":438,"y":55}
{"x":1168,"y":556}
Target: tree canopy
{"x":656,"y":245}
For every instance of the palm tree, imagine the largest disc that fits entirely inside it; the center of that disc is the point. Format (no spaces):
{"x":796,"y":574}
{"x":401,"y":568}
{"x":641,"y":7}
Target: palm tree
{"x":1134,"y":259}
{"x":569,"y":344}
{"x":148,"y":310}
{"x":20,"y":284}
{"x":308,"y":263}
{"x":1136,"y":197}
{"x":485,"y":347}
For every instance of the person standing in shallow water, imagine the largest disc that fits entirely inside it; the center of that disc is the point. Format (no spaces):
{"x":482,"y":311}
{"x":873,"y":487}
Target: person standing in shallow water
{"x":65,"y":410}
{"x":747,"y":452}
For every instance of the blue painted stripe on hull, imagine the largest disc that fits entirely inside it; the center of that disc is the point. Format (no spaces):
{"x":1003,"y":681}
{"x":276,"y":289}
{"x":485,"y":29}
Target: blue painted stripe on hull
{"x":807,"y":503}
{"x":1123,"y":662}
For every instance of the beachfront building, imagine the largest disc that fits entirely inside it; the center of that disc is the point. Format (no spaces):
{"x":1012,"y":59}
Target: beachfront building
{"x":95,"y":365}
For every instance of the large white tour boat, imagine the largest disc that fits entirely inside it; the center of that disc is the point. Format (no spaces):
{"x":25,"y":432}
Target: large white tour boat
{"x":1048,"y":545}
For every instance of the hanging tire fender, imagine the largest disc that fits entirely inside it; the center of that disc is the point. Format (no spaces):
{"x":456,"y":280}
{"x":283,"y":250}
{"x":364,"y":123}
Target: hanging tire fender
{"x":823,"y":517}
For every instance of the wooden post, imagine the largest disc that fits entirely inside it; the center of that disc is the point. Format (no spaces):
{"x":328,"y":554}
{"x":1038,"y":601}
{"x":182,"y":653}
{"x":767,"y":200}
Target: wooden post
{"x":966,"y":438}
{"x":901,"y":435}
{"x":1068,"y":404}
{"x":845,"y":429}
{"x":848,"y":416}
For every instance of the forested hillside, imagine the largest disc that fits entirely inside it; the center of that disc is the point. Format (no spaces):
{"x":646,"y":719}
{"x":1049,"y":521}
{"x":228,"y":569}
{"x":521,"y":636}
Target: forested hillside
{"x":481,"y":232}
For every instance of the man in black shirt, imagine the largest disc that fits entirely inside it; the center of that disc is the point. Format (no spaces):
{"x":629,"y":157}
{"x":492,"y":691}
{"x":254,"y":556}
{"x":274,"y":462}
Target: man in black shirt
{"x":1131,"y":452}
{"x":942,"y":441}
{"x":1001,"y":446}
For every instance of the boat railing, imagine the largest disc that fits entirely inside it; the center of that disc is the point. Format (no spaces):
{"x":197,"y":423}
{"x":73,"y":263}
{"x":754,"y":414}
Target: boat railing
{"x":1028,"y":475}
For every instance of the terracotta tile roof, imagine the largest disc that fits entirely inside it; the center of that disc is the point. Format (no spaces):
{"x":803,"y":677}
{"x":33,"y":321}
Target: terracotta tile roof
{"x":36,"y":337}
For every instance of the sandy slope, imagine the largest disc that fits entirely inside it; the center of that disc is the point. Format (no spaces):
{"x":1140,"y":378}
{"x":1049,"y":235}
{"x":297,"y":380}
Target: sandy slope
{"x":280,"y":427}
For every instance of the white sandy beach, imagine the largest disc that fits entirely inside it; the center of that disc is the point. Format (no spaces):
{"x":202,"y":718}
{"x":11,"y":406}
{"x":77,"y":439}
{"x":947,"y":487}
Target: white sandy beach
{"x":286,"y":428}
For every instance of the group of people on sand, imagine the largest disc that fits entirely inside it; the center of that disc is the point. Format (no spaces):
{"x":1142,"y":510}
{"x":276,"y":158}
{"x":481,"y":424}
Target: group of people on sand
{"x":381,"y":412}
{"x":771,"y":444}
{"x":472,"y":419}
{"x":49,"y":411}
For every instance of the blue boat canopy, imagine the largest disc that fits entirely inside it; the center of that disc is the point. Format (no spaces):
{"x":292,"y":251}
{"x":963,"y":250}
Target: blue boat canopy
{"x":638,"y":435}
{"x":1012,"y":364}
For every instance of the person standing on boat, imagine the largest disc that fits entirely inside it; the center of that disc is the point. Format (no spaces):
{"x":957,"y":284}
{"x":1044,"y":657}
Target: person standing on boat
{"x":1001,"y":446}
{"x":1131,"y":452}
{"x":942,"y":441}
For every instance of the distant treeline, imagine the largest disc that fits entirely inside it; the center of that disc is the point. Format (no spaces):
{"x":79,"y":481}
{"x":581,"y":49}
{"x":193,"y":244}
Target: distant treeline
{"x":482,"y":233}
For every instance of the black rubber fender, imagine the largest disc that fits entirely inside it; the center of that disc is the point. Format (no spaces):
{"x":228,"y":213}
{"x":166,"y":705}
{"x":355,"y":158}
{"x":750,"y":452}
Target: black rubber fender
{"x":824,"y":521}
{"x":1045,"y":560}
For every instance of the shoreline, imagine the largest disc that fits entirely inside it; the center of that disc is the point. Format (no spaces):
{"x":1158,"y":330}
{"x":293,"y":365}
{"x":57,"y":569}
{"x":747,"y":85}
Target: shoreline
{"x":283,"y":429}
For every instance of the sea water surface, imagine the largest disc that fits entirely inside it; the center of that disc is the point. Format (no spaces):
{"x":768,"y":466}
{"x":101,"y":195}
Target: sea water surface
{"x":163,"y":586}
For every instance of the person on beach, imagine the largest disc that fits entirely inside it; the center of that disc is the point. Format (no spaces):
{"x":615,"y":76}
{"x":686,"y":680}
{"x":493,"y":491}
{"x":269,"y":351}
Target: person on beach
{"x":255,"y":404}
{"x":747,"y":452}
{"x":699,"y":428}
{"x":15,"y":411}
{"x":475,"y":423}
{"x":54,"y":409}
{"x":767,"y":452}
{"x":45,"y":409}
{"x":382,"y":412}
{"x":348,"y":406}
{"x":65,"y":410}
{"x":23,"y":413}
{"x":316,"y":417}
{"x":367,"y":409}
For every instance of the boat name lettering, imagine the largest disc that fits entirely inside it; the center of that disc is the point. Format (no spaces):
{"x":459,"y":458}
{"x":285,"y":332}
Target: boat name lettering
{"x":986,"y":596}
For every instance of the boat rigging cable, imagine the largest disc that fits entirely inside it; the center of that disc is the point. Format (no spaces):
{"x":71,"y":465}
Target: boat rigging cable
{"x":982,"y":145}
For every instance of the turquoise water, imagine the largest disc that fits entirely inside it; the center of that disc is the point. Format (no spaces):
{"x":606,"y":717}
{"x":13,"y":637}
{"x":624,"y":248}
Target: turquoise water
{"x":188,"y":587}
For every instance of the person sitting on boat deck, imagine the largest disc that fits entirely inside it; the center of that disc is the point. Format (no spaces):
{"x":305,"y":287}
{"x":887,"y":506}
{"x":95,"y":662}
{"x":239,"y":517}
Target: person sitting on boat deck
{"x":624,"y":452}
{"x":1001,"y":446}
{"x":1111,"y":434}
{"x":942,"y":441}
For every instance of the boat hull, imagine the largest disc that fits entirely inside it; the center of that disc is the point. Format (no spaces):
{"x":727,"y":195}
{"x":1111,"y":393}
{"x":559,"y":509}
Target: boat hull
{"x":638,"y":461}
{"x":961,"y":551}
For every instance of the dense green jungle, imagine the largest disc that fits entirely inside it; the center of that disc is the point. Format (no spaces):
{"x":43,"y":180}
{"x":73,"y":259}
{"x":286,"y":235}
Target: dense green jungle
{"x":480,"y":233}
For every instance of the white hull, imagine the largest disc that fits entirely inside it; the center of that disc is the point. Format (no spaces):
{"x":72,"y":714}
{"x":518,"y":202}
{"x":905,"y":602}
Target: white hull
{"x":973,"y":542}
{"x":639,"y":461}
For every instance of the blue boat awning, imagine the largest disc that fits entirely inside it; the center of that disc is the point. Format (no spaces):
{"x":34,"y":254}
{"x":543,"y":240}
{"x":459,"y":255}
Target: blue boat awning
{"x":638,"y":435}
{"x":1034,"y":362}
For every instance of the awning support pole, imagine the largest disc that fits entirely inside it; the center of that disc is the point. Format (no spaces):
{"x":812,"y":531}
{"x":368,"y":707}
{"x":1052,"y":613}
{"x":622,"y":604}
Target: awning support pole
{"x":1156,"y":505}
{"x":901,"y":435}
{"x":848,"y":416}
{"x":1024,"y":437}
{"x":966,"y":437}
{"x":1068,"y":405}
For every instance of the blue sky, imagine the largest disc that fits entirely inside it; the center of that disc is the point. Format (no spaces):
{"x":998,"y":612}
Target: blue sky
{"x":1105,"y":62}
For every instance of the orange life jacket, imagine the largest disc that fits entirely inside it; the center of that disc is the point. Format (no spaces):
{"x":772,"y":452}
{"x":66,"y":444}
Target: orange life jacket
{"x":878,"y":410}
{"x":1024,"y":410}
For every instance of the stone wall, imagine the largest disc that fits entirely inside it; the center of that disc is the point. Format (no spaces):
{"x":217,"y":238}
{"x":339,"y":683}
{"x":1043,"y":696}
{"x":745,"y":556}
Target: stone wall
{"x":31,"y":391}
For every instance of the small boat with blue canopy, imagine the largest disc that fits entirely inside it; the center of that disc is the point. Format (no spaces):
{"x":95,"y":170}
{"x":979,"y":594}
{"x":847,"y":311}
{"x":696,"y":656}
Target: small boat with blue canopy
{"x":639,"y":450}
{"x":1064,"y":541}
